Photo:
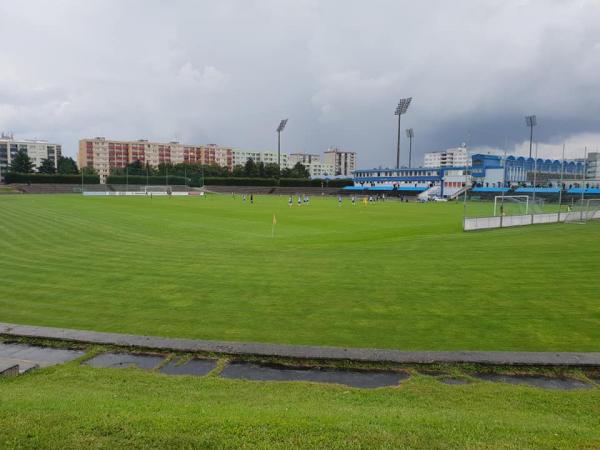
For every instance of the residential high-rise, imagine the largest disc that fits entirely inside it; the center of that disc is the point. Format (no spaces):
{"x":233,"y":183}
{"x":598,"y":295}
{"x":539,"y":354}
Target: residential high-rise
{"x":304,"y":158}
{"x":453,"y":157}
{"x":241,"y":156}
{"x":343,"y":162}
{"x":105,"y":154}
{"x":37,"y":150}
{"x":593,"y":166}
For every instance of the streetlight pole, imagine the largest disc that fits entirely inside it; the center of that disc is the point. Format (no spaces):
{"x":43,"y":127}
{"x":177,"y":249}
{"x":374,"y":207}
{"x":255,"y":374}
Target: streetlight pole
{"x":279,"y":130}
{"x":531,"y":122}
{"x":410,"y":134}
{"x":400,"y":109}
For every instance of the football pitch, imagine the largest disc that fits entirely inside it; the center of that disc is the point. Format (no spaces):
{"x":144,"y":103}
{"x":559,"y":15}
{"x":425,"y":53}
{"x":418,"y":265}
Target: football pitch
{"x":384,"y":275}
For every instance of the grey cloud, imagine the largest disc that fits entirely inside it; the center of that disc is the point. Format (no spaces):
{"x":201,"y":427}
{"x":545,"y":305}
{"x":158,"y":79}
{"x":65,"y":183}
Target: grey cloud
{"x":227,"y":71}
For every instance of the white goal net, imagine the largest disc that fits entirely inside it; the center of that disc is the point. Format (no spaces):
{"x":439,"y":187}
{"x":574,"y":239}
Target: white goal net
{"x":511,"y":205}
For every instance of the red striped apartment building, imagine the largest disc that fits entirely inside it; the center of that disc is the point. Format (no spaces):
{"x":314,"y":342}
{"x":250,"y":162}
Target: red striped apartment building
{"x":104,"y":154}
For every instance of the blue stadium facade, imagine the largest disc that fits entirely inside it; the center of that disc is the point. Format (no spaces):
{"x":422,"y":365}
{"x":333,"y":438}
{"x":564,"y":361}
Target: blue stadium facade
{"x":486,"y":172}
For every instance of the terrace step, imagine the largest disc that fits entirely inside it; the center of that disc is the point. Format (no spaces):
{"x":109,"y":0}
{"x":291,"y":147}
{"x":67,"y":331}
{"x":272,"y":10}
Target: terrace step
{"x":11,"y":367}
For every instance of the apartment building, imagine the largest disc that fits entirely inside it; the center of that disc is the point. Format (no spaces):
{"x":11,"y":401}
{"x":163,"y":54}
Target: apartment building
{"x":241,"y":156}
{"x":37,"y":150}
{"x":105,"y":154}
{"x":453,"y":157}
{"x":343,"y":162}
{"x":593,"y":166}
{"x":304,"y":158}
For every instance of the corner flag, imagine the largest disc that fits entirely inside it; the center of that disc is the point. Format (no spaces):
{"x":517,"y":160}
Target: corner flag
{"x":273,"y":226}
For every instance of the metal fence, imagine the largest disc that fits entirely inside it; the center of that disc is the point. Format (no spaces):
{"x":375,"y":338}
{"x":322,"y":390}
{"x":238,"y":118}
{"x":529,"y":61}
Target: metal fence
{"x":484,"y":223}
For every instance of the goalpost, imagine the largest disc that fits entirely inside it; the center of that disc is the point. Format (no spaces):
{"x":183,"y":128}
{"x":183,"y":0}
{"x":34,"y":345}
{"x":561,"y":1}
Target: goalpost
{"x":521,"y":200}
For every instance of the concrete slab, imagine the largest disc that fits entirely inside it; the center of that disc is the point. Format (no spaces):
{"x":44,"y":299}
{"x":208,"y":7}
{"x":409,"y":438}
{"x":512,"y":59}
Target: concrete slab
{"x":354,"y":378}
{"x":43,"y":356}
{"x":195,"y":367}
{"x":122,"y":360}
{"x":8,"y":368}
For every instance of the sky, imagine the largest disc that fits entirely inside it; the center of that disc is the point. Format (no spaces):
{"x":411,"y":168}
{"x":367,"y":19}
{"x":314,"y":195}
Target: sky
{"x":227,"y":71}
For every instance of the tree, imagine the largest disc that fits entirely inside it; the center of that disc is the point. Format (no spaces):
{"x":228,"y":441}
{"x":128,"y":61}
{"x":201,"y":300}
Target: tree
{"x":299,"y":171}
{"x":260,"y":167}
{"x":238,"y":171}
{"x":271,"y":170}
{"x":21,"y":163}
{"x":89,"y":171}
{"x":47,"y":166}
{"x":136,"y":168}
{"x":67,"y":166}
{"x":250,"y":168}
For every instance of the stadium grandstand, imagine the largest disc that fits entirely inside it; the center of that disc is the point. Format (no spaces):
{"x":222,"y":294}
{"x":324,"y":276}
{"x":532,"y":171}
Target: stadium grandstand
{"x":486,"y":175}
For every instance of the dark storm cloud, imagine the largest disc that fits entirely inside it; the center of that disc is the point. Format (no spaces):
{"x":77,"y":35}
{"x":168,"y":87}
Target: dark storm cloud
{"x":226,"y":72}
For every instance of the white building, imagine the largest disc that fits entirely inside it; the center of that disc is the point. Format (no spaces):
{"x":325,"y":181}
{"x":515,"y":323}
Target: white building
{"x":343,"y":162}
{"x":312,"y":161}
{"x":319,"y":169}
{"x":241,"y":156}
{"x":593,"y":166}
{"x":37,"y":150}
{"x":304,"y":158}
{"x":453,"y":157}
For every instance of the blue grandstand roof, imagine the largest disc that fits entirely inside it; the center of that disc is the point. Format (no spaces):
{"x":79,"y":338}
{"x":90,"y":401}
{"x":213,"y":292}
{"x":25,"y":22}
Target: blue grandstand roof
{"x":537,"y":190}
{"x":354,"y":188}
{"x":587,"y":191}
{"x":490,"y":189}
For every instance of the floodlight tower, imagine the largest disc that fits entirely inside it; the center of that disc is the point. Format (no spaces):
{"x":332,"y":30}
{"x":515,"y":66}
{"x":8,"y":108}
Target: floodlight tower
{"x":279,"y":130}
{"x":400,"y":109}
{"x":410,"y":134}
{"x":531,"y":122}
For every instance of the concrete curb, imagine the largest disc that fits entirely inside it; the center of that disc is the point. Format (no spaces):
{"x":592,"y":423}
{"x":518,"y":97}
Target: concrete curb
{"x":305,"y":351}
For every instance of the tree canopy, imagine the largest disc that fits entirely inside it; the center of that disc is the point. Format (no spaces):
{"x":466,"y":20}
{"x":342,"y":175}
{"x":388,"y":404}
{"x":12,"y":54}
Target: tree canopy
{"x":47,"y":166}
{"x":67,"y":165}
{"x":21,"y":163}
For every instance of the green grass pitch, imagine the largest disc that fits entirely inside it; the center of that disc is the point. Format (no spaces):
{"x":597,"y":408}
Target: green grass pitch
{"x":387,"y":275}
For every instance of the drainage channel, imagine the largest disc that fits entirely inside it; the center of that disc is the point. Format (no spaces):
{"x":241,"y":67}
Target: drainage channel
{"x":354,"y":378}
{"x":20,"y":358}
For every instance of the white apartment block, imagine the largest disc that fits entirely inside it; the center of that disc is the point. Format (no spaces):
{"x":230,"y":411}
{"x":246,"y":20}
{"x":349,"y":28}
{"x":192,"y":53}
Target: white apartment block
{"x":453,"y":157}
{"x":241,"y":156}
{"x":319,"y":169}
{"x":593,"y":166}
{"x":37,"y":150}
{"x":343,"y":162}
{"x":304,"y":158}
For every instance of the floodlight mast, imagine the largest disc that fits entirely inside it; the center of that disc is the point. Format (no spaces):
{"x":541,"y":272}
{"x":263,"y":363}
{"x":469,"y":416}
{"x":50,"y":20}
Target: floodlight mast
{"x":279,"y":130}
{"x":400,"y":109}
{"x":531,"y":122}
{"x":410,"y":134}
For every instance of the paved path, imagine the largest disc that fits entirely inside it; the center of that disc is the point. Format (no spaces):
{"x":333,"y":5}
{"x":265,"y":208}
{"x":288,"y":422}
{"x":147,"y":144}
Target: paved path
{"x":306,"y":352}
